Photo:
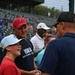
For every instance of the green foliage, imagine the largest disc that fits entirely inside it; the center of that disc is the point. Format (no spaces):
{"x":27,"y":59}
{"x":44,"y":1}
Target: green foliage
{"x":41,"y":10}
{"x":23,"y":9}
{"x":54,"y":12}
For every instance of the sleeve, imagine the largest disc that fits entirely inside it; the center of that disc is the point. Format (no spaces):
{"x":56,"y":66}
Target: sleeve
{"x":37,"y":60}
{"x":10,"y":70}
{"x":39,"y":57}
{"x":50,"y":59}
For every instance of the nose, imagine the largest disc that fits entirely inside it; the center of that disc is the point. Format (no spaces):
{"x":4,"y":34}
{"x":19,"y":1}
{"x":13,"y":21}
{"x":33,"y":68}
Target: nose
{"x":19,"y":45}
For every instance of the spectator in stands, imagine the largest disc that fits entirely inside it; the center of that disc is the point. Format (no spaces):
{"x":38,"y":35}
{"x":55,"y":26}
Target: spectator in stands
{"x":12,"y":49}
{"x":47,"y":39}
{"x":1,"y":37}
{"x":1,"y":34}
{"x":38,"y":20}
{"x":34,"y":30}
{"x":1,"y":22}
{"x":1,"y":52}
{"x":59,"y":56}
{"x":20,"y":16}
{"x":25,"y":62}
{"x":54,"y":31}
{"x":37,"y":40}
{"x":30,"y":31}
{"x":5,"y":21}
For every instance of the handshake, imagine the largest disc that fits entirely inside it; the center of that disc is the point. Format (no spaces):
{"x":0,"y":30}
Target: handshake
{"x":38,"y":73}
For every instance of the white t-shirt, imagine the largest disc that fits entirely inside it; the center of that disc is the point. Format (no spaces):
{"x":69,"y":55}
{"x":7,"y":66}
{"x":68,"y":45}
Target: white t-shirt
{"x":38,"y":43}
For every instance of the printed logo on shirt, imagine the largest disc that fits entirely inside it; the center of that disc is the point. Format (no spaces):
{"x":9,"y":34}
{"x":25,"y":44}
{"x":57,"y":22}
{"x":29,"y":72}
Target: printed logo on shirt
{"x":20,"y":20}
{"x":28,"y":52}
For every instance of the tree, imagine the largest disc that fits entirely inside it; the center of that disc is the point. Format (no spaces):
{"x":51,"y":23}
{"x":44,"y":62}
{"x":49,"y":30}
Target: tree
{"x":41,"y":10}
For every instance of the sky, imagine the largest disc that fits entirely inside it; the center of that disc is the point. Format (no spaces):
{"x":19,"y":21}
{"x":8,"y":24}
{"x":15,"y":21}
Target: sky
{"x":58,"y":4}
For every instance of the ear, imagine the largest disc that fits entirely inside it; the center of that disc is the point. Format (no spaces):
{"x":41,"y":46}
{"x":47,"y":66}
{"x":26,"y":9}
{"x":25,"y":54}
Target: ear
{"x":62,"y":25}
{"x":8,"y":48}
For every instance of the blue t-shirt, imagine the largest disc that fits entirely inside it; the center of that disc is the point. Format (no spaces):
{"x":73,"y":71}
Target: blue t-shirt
{"x":59,"y":57}
{"x":39,"y":57}
{"x":1,"y":38}
{"x":1,"y":22}
{"x":26,"y":60}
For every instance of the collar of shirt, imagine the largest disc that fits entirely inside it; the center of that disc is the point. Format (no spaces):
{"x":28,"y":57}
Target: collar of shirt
{"x":69,"y":35}
{"x":39,"y":37}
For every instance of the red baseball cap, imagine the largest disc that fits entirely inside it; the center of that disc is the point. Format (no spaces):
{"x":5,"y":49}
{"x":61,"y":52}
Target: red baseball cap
{"x":18,"y":22}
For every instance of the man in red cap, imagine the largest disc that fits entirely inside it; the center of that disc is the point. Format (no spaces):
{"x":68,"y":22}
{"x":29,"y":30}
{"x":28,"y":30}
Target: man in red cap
{"x":25,"y":62}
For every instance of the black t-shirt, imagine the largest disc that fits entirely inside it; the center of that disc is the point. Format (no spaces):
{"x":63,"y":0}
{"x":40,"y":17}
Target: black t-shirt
{"x":26,"y":60}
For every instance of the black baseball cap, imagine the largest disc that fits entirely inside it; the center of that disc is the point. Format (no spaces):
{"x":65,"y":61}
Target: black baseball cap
{"x":65,"y":17}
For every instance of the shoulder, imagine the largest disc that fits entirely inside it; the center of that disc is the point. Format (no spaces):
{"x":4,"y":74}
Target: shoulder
{"x":41,"y":53}
{"x":58,"y":41}
{"x":33,"y":38}
{"x":9,"y":70}
{"x":8,"y":65}
{"x":57,"y":45}
{"x":29,"y":42}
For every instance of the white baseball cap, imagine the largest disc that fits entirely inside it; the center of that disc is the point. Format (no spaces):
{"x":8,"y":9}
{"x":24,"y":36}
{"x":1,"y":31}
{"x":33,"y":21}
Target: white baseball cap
{"x":9,"y":40}
{"x":42,"y":26}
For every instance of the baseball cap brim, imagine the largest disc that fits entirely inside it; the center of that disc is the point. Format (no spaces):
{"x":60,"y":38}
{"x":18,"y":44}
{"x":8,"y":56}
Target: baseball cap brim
{"x":46,"y":28}
{"x":15,"y":42}
{"x":55,"y":24}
